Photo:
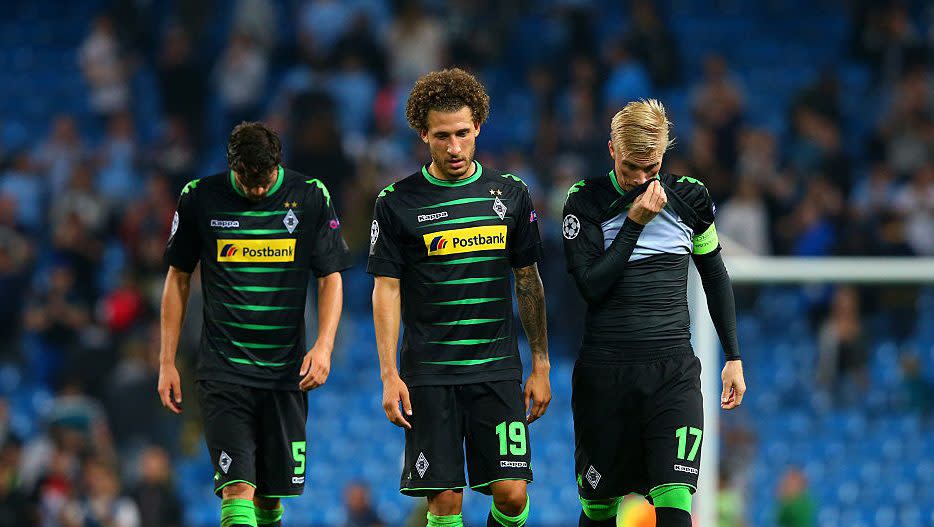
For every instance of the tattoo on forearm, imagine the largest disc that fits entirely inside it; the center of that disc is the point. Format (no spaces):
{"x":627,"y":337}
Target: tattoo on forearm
{"x":530,"y":294}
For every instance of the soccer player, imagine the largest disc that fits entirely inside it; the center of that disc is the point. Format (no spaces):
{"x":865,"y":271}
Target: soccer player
{"x":443,"y":245}
{"x":638,"y":415}
{"x":257,"y":230}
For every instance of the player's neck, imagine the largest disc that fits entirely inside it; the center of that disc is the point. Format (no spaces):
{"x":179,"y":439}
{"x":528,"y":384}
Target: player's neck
{"x":435,"y":172}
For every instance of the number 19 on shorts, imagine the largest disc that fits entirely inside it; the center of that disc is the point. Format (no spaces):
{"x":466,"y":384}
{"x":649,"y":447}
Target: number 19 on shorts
{"x":511,"y":438}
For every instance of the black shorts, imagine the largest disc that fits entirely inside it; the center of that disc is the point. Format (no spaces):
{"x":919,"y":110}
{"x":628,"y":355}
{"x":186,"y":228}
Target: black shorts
{"x":637,"y":426}
{"x":255,"y":436}
{"x":488,"y":418}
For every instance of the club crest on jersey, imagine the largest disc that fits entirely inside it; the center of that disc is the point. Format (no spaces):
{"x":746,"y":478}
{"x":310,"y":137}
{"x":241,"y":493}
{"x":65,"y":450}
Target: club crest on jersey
{"x":290,"y":221}
{"x":471,"y":239}
{"x":499,"y":208}
{"x":274,"y":250}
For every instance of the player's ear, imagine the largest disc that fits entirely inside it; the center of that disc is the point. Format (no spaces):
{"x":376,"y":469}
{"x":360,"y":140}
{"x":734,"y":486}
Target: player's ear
{"x":424,"y":135}
{"x":476,"y":129}
{"x":609,"y":145}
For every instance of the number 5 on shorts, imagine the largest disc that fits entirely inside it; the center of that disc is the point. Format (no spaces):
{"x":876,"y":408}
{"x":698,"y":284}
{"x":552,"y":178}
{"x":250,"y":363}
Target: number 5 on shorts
{"x":682,"y":435}
{"x":515,"y":438}
{"x":298,"y":454}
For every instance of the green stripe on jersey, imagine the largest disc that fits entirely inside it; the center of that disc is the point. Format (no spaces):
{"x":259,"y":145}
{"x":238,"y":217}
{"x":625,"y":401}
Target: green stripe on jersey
{"x":467,"y":342}
{"x":259,"y":213}
{"x":461,"y":281}
{"x":469,"y":322}
{"x":471,"y":362}
{"x":258,"y":327}
{"x":262,"y":269}
{"x":253,"y":231}
{"x":252,"y":307}
{"x":461,"y":201}
{"x":465,"y":219}
{"x":467,"y":301}
{"x":251,"y":362}
{"x":471,"y":259}
{"x":258,"y":346}
{"x":260,"y":288}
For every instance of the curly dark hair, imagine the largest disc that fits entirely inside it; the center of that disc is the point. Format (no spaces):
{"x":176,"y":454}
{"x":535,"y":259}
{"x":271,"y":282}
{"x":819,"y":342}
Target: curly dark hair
{"x":446,"y":91}
{"x":253,"y":151}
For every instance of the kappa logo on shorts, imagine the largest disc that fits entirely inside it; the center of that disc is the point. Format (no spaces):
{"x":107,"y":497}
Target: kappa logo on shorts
{"x":298,"y":480}
{"x":593,"y":477}
{"x":421,"y":464}
{"x":513,"y":464}
{"x":682,"y":468}
{"x":224,"y":462}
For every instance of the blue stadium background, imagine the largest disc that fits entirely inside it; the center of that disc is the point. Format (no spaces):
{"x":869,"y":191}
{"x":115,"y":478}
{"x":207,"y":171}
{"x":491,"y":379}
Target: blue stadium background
{"x":811,"y":122}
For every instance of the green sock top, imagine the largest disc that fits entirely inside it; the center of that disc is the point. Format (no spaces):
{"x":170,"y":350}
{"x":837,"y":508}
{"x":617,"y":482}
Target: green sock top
{"x":451,"y":520}
{"x":269,"y":516}
{"x":236,"y":511}
{"x":511,"y":521}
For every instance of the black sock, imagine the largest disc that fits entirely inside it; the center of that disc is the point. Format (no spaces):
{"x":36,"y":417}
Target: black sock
{"x":671,"y":517}
{"x":490,"y":521}
{"x":587,"y":522}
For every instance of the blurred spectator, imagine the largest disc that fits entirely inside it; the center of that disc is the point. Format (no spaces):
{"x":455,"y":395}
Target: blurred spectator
{"x":415,"y":43}
{"x":16,"y":256}
{"x":80,"y":199}
{"x":321,"y":23}
{"x":360,"y":41}
{"x":822,"y":97}
{"x":258,"y":19}
{"x":817,"y":147}
{"x":916,"y":203}
{"x":240,"y":78}
{"x":796,"y":507}
{"x":843,"y":355}
{"x":25,"y":186}
{"x":55,"y":486}
{"x":730,"y":506}
{"x":57,"y":156}
{"x":718,"y":102}
{"x":117,"y":179}
{"x":317,"y":149}
{"x":360,"y":511}
{"x":103,"y":504}
{"x":885,"y":37}
{"x":628,"y":79}
{"x":80,"y":250}
{"x":174,"y":154}
{"x":905,"y":136}
{"x":352,"y":87}
{"x":744,"y":219}
{"x":16,"y":510}
{"x":182,"y":83}
{"x":155,"y":495}
{"x":917,"y":391}
{"x":654,"y":45}
{"x":103,"y":68}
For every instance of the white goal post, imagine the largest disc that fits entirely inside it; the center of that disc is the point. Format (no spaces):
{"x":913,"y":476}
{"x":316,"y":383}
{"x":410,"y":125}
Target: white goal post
{"x":772,"y":270}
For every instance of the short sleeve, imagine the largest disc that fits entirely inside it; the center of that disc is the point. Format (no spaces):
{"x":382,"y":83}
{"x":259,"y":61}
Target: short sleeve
{"x":525,"y":247}
{"x":329,"y":252}
{"x":385,"y":258}
{"x":184,"y":246}
{"x":580,"y":227}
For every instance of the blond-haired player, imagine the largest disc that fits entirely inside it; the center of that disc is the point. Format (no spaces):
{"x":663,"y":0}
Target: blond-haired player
{"x":638,"y":410}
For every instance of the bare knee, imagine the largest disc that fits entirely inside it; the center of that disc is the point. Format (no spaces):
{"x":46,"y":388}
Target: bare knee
{"x":510,"y":497}
{"x":446,"y":502}
{"x":241,"y":491}
{"x":265,"y":503}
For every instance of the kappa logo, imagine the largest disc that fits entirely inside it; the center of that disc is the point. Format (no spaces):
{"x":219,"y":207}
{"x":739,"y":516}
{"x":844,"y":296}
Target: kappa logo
{"x":682,"y":468}
{"x":225,"y":224}
{"x":421,"y":464}
{"x":298,"y":480}
{"x":224,"y":462}
{"x":513,"y":464}
{"x":431,"y":217}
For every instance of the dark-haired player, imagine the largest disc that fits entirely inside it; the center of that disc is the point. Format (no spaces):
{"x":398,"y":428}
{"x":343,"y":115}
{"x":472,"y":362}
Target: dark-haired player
{"x":444,"y":245}
{"x":257,"y":230}
{"x":638,"y":410}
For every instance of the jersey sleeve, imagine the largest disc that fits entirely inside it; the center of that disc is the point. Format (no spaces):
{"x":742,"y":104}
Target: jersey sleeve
{"x":329,"y":252}
{"x":183,"y":249}
{"x":525,"y":247}
{"x":385,"y":257}
{"x":583,"y":236}
{"x":705,"y":240}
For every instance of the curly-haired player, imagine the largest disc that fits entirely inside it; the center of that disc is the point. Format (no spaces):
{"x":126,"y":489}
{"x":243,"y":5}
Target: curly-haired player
{"x":443,"y":244}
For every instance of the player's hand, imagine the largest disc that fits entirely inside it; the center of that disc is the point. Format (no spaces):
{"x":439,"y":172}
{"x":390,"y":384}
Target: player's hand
{"x":170,"y":388}
{"x":537,"y":395}
{"x":734,"y":385}
{"x":315,"y":367}
{"x":395,"y":392}
{"x":648,"y":204}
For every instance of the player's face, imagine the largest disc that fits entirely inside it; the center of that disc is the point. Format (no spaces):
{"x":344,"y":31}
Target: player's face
{"x":256,"y":188}
{"x":633,"y":171}
{"x":452,"y":139}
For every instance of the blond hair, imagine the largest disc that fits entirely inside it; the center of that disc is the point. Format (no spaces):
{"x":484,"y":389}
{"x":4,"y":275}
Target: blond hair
{"x":640,"y":129}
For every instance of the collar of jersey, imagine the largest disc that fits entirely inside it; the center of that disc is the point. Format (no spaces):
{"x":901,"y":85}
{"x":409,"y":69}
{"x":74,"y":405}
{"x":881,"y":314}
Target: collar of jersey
{"x":460,"y":182}
{"x":616,"y":183}
{"x":275,"y":186}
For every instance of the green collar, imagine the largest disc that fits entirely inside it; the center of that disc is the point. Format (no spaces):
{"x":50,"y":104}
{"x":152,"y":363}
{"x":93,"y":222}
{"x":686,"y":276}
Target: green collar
{"x":460,"y":182}
{"x":616,"y":183}
{"x":279,"y":178}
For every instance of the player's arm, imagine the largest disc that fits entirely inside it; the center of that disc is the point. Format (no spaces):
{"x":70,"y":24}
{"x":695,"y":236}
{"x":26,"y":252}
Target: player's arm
{"x":530,"y":294}
{"x":174,"y":301}
{"x":595,"y":271}
{"x":387,"y":314}
{"x":317,"y":362}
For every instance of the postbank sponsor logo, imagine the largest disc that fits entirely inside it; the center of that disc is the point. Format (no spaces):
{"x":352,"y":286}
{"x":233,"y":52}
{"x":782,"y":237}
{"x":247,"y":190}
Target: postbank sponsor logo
{"x":486,"y":238}
{"x":274,"y":250}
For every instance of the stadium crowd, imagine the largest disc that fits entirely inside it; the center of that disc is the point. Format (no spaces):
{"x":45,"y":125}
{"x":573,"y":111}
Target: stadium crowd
{"x":85,"y":209}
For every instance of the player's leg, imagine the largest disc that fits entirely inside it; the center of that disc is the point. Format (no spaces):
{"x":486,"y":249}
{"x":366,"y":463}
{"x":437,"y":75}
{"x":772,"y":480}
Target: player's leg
{"x":281,"y":453}
{"x":434,"y":455}
{"x":229,"y":431}
{"x":608,"y":445}
{"x":674,"y":428}
{"x":499,"y":456}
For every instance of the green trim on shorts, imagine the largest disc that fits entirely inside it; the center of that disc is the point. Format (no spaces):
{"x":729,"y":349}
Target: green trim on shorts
{"x":433,"y":488}
{"x":500,"y":479}
{"x":279,"y":497}
{"x":250,"y":483}
{"x":688,"y":485}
